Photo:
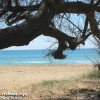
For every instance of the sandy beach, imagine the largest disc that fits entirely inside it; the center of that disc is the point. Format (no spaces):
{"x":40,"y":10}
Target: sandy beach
{"x":17,"y":77}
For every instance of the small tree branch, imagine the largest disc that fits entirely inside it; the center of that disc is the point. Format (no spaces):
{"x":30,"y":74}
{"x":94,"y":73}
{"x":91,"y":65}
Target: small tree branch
{"x":16,"y":3}
{"x":62,"y":39}
{"x":93,"y":24}
{"x":98,"y":2}
{"x":85,"y":27}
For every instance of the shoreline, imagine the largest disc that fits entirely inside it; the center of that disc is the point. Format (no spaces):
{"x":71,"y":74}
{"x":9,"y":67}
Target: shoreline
{"x":44,"y":65}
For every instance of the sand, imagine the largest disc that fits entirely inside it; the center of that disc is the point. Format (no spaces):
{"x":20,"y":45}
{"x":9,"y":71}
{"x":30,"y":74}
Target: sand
{"x":17,"y":77}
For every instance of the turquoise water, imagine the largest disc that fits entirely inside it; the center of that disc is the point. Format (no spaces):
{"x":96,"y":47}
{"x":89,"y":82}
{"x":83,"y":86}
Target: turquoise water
{"x":31,"y":57}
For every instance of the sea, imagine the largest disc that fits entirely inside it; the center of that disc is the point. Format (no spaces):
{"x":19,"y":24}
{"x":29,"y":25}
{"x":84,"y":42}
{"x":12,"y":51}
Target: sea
{"x":34,"y":57}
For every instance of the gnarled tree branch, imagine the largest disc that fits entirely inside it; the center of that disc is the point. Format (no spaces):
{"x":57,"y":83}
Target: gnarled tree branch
{"x":40,"y":23}
{"x":63,"y":39}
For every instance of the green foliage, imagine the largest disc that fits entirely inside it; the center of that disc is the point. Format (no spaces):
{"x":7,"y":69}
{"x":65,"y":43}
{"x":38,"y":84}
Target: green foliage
{"x":84,"y":90}
{"x":49,"y":83}
{"x":92,"y":75}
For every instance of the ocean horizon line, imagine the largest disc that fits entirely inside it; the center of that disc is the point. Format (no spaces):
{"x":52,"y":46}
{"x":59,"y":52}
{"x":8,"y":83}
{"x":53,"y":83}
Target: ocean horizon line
{"x":41,"y":49}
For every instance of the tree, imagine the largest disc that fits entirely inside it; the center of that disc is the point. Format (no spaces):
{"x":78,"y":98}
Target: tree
{"x":97,"y":62}
{"x":49,"y":18}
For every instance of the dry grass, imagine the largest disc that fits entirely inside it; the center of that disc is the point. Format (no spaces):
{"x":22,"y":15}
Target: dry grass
{"x":72,"y":89}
